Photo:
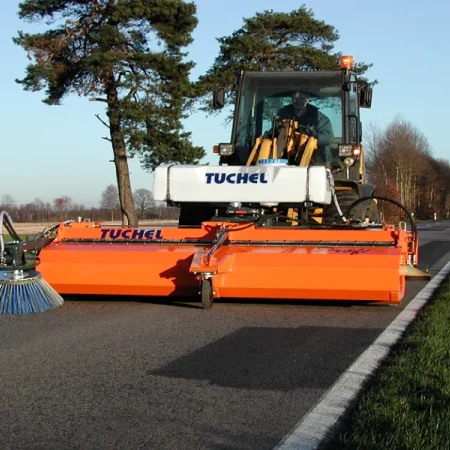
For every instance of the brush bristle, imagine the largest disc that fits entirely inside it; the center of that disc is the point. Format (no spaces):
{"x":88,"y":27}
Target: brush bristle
{"x":32,"y":296}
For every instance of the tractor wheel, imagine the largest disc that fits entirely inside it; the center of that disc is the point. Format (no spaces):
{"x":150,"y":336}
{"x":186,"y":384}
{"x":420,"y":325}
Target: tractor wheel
{"x":207,"y":294}
{"x":193,"y":214}
{"x":345,"y":199}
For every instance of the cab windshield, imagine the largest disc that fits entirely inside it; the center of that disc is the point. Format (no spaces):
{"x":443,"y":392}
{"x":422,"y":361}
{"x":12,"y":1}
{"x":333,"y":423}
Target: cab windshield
{"x":264,"y":94}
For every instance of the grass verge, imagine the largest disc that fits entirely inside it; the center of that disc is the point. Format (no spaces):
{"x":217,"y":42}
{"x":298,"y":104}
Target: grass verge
{"x":407,"y":404}
{"x":7,"y":237}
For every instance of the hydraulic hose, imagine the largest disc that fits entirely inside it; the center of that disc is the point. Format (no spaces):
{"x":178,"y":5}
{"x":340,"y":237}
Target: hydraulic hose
{"x":363,"y":199}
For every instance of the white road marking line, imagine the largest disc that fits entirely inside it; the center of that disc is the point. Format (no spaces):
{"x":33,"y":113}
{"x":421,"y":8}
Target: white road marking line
{"x":313,"y":428}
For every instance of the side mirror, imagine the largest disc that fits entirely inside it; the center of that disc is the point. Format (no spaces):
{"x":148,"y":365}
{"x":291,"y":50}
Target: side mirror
{"x":219,"y":98}
{"x":365,"y":97}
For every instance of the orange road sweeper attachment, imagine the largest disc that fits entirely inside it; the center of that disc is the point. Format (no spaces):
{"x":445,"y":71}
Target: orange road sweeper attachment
{"x":230,"y":260}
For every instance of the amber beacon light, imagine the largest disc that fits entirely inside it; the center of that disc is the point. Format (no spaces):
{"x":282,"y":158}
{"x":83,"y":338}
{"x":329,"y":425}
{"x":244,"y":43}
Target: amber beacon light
{"x":346,"y":62}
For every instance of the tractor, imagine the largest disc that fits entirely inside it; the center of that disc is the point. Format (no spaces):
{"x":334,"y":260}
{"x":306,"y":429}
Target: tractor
{"x":328,"y":131}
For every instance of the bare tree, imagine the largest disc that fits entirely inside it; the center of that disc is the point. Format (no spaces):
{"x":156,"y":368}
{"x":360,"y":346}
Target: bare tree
{"x":397,"y":161}
{"x":42,"y":209}
{"x":62,"y":205}
{"x":110,"y":199}
{"x":143,"y":199}
{"x":7,"y":201}
{"x":376,"y":170}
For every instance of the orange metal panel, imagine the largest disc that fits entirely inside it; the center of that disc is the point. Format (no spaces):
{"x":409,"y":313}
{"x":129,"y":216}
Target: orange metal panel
{"x":118,"y":270}
{"x":310,"y":273}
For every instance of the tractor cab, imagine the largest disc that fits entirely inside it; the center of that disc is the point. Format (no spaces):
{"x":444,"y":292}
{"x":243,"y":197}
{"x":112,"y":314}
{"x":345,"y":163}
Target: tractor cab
{"x":264,"y":107}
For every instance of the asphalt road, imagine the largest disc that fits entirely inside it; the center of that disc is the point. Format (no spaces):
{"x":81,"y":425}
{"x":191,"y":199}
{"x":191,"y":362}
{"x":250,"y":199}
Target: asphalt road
{"x":137,"y":375}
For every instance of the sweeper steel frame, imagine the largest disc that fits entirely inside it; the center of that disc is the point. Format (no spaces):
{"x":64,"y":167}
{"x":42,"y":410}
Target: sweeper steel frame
{"x":230,"y":260}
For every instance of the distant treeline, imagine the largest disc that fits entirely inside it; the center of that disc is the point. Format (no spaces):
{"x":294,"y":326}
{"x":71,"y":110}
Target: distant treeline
{"x":401,"y":165}
{"x":64,"y":208}
{"x":45,"y":212}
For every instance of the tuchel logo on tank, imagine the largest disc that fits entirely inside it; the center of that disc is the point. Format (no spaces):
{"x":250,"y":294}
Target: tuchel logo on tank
{"x":235,"y":178}
{"x":131,"y":233}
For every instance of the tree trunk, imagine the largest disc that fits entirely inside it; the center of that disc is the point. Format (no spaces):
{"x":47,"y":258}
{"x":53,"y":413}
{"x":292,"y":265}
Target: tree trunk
{"x":129,"y":217}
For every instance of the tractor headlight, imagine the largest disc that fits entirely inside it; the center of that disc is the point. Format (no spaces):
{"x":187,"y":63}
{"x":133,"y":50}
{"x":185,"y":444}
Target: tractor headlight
{"x":345,"y":150}
{"x":226,"y":149}
{"x":349,"y":162}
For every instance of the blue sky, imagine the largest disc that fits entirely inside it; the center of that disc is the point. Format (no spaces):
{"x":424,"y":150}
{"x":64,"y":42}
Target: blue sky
{"x":50,"y":151}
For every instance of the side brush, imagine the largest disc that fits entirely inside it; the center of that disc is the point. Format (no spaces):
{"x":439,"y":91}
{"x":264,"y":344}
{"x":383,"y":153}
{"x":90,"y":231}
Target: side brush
{"x":22,"y":289}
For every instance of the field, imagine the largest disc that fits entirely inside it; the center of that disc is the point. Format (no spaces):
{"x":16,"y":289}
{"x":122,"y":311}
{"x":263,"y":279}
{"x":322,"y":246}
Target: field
{"x":30,"y":229}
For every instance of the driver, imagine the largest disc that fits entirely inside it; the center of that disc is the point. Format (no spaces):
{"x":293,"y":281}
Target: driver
{"x":310,"y":121}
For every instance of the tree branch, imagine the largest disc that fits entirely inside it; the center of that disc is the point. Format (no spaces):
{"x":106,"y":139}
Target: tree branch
{"x":94,"y":99}
{"x":102,"y":121}
{"x":131,"y":93}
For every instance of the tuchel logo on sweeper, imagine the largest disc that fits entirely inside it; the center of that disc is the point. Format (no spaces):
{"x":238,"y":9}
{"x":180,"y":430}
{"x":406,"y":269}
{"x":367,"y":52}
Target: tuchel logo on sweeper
{"x":131,"y":233}
{"x":235,"y":178}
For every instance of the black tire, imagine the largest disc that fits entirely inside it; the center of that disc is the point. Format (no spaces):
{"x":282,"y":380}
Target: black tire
{"x":364,"y":210}
{"x":206,"y":294}
{"x":345,"y":199}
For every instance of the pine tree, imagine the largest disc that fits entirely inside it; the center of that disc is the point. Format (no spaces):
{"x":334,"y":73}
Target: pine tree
{"x":127,"y":55}
{"x":271,"y":41}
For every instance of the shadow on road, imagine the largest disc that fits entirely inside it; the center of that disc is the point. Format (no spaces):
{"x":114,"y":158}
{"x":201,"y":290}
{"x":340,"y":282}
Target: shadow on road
{"x":273,"y":358}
